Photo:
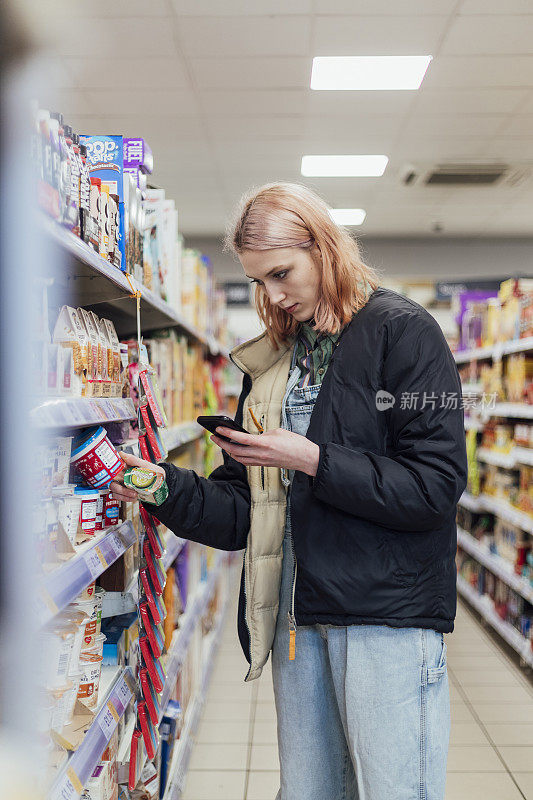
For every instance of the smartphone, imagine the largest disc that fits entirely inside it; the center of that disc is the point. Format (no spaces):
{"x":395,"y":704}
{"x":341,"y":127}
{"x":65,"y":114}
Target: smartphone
{"x":210,"y":423}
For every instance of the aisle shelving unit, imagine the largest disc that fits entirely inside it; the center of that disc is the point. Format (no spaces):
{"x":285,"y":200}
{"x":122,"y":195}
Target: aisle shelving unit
{"x":92,"y":282}
{"x":68,"y":580}
{"x":502,"y":509}
{"x":183,"y":748}
{"x":192,"y":617}
{"x":80,"y":412}
{"x":111,"y":707}
{"x":496,"y":564}
{"x":484,"y":607}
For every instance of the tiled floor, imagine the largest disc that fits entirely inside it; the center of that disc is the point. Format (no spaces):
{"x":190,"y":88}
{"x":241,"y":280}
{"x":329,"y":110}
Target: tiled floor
{"x":491,"y":749}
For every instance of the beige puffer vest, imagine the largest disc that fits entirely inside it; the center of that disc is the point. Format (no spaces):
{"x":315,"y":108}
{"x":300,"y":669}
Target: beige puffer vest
{"x":269,"y":371}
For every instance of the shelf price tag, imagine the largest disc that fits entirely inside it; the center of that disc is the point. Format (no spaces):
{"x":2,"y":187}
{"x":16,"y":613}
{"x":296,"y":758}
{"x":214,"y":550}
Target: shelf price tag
{"x":107,"y":720}
{"x":95,"y":561}
{"x":123,"y":693}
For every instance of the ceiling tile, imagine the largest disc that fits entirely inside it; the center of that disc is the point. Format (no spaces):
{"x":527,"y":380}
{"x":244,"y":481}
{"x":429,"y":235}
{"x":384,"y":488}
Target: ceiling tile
{"x":482,"y":125}
{"x":252,"y":73}
{"x":359,"y":104}
{"x":138,"y":102}
{"x":117,"y":38}
{"x":519,"y":125}
{"x":495,"y":7}
{"x":245,"y":36}
{"x":120,"y":8}
{"x":246,"y":128}
{"x":382,"y":36}
{"x":482,"y":101}
{"x":377,"y":7}
{"x":243,"y":103}
{"x":415,"y":149}
{"x":483,"y":71}
{"x":130,"y":73}
{"x":527,"y":106}
{"x":361,"y":131}
{"x":513,"y":148}
{"x":489,"y":35}
{"x":241,"y":8}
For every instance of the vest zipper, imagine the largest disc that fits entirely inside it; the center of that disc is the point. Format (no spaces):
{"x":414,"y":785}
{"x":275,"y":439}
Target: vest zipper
{"x":292,"y":618}
{"x":262,"y":421}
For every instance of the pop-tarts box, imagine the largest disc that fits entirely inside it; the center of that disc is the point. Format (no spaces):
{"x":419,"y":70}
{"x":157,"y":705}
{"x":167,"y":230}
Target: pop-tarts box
{"x":106,"y":161}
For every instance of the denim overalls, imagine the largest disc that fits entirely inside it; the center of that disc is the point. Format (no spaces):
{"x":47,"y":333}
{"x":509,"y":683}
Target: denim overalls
{"x":363,"y":711}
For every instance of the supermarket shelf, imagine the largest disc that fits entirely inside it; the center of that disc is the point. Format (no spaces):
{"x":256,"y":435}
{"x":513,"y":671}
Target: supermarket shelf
{"x":471,"y":502}
{"x":500,"y":508}
{"x":516,"y":410}
{"x":93,"y":281}
{"x":115,"y":603}
{"x":495,"y":351}
{"x":65,"y":583}
{"x":506,"y":511}
{"x":517,"y":456}
{"x":190,"y":619}
{"x":174,"y":547}
{"x":472,"y":388}
{"x":79,"y":768}
{"x":496,"y":564}
{"x":473,"y":424}
{"x":78,"y":412}
{"x":484,"y":606}
{"x":182,"y":748}
{"x":181,"y":434}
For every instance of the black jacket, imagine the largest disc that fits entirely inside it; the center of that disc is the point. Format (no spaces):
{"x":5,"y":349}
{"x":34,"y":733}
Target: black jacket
{"x":374,"y":531}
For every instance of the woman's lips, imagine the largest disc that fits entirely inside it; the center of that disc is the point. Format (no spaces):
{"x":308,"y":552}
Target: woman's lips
{"x":291,"y":308}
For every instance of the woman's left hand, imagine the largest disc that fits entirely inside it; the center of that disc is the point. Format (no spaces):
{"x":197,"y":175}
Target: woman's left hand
{"x":278,"y":448}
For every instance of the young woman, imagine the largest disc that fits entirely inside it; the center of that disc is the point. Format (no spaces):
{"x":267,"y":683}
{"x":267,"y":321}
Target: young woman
{"x":343,"y":494}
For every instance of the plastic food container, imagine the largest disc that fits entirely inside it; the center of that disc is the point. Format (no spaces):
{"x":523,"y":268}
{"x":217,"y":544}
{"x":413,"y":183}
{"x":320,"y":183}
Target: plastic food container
{"x":95,"y":458}
{"x":88,"y":592}
{"x":88,"y":504}
{"x":91,"y":669}
{"x":93,"y":610}
{"x":102,"y":494}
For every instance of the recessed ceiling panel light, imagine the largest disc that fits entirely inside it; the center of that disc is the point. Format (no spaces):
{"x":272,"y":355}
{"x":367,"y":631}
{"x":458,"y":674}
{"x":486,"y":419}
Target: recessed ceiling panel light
{"x":344,"y":166}
{"x":368,"y":72}
{"x":347,"y":216}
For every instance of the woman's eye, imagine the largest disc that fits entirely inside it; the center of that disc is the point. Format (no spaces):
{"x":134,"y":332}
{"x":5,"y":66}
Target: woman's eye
{"x":281,"y":274}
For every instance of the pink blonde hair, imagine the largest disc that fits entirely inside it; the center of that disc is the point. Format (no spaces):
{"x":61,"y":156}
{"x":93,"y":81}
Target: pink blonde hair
{"x":291,"y":215}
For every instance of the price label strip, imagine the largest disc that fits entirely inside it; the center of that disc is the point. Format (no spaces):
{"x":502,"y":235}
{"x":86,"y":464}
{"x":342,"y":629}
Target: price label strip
{"x":95,"y":562}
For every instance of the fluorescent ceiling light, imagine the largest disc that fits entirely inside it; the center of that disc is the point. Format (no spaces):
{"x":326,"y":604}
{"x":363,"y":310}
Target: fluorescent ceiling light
{"x":368,"y":72}
{"x":347,"y":216}
{"x":344,"y":166}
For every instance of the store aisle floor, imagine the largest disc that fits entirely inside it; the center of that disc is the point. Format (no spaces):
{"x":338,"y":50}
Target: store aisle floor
{"x":491,"y":749}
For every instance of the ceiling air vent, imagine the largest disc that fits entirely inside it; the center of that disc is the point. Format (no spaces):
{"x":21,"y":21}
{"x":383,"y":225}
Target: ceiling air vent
{"x":465,"y":174}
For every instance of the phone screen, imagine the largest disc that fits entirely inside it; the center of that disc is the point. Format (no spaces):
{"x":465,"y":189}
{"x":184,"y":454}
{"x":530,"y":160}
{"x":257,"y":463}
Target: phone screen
{"x":213,"y":422}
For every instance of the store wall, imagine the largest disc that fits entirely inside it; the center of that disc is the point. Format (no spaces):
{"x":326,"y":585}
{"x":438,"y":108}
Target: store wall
{"x":433,"y":258}
{"x":419,"y":259}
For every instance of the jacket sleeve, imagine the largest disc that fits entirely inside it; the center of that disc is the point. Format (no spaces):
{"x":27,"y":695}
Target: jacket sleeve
{"x":417,"y":485}
{"x":213,"y":511}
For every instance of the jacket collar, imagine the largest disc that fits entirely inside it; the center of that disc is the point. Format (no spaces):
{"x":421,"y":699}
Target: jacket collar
{"x":257,"y":356}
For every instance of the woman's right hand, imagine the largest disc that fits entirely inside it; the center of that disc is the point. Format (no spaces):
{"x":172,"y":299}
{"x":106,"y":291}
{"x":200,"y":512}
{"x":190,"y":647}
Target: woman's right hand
{"x":116,"y":486}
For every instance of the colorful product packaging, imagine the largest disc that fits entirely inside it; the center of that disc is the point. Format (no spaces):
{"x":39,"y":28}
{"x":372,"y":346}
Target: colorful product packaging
{"x":106,"y":161}
{"x":95,"y":458}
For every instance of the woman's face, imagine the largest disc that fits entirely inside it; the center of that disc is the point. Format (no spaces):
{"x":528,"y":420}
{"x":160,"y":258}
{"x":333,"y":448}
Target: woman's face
{"x":290,"y":276}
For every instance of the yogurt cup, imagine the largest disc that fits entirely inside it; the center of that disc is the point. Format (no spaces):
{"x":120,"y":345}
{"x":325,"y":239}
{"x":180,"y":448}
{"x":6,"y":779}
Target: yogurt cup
{"x":87,"y":593}
{"x":95,"y":458}
{"x":68,"y":512}
{"x":93,"y":610}
{"x":90,"y":668}
{"x":88,"y":504}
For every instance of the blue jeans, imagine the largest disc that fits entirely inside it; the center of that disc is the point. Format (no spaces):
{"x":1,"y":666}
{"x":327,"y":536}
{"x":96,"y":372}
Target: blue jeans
{"x":363,"y":711}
